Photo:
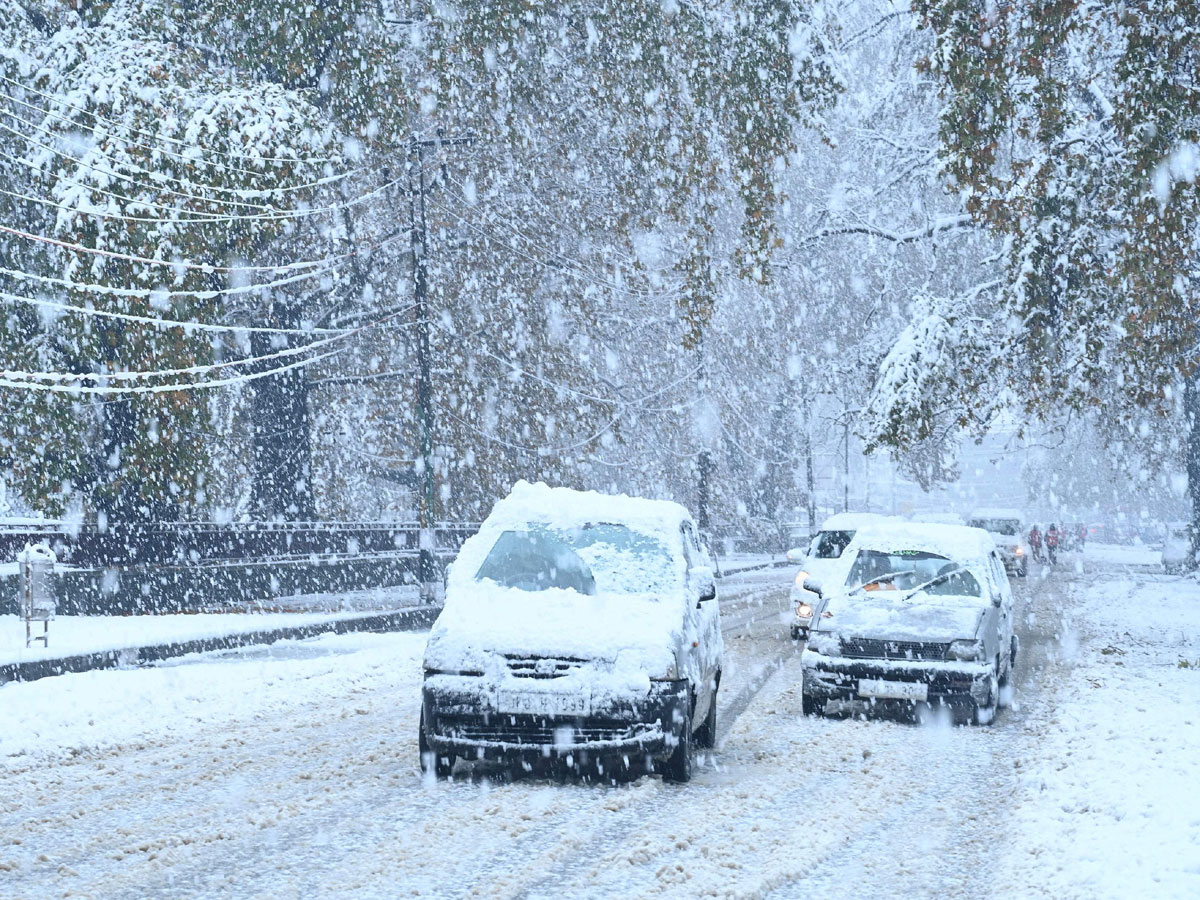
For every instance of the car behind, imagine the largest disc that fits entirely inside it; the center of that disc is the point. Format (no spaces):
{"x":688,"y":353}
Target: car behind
{"x":924,"y":621}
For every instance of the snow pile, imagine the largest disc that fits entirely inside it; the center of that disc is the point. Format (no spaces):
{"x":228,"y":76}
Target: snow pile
{"x":73,"y":635}
{"x":1108,"y":794}
{"x":201,"y":694}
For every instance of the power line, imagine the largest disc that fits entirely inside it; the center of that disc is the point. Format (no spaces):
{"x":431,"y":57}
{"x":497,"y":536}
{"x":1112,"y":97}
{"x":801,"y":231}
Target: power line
{"x":330,"y":179}
{"x":163,"y":294}
{"x":195,"y":370}
{"x":163,"y":138}
{"x":160,"y":323}
{"x":181,"y":264}
{"x":161,"y":388}
{"x":161,"y":188}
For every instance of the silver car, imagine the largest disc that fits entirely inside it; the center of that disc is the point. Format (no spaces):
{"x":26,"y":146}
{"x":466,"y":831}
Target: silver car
{"x":925,"y":619}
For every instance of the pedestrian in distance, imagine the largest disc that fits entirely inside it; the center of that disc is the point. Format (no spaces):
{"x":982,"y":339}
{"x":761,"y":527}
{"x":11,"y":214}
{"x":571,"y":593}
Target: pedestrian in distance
{"x":1052,"y":543}
{"x":1035,"y":543}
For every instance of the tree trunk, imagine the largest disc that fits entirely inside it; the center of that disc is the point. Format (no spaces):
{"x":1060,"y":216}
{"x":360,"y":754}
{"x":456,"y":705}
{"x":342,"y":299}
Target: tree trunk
{"x":282,"y":487}
{"x":1191,"y":407}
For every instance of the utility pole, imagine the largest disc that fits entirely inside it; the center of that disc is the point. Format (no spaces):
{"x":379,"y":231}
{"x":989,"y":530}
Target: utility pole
{"x":427,"y":496}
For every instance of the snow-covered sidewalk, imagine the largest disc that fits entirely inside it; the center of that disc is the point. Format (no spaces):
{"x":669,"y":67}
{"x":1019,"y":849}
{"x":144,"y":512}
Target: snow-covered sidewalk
{"x":77,"y":635}
{"x":1108,"y":806}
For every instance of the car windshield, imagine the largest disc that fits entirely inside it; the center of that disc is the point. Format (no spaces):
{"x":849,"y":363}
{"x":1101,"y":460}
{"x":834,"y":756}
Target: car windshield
{"x":590,"y":559}
{"x":907,"y":569}
{"x":998,"y":526}
{"x":830,"y":544}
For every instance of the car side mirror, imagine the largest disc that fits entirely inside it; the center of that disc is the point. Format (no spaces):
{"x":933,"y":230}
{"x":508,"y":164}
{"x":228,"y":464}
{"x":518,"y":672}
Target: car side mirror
{"x":704,"y":582}
{"x":997,"y":600}
{"x":813,"y":585}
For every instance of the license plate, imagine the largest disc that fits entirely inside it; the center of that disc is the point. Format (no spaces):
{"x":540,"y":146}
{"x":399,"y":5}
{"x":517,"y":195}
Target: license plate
{"x":539,"y":703}
{"x":893,"y":690}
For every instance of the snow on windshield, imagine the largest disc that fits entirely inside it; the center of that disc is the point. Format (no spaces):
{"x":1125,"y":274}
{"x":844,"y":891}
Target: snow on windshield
{"x":906,"y":569}
{"x":603,"y":557}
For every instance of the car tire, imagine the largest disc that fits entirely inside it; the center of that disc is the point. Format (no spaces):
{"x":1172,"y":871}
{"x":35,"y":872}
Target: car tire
{"x":1024,"y":569}
{"x":986,"y":714}
{"x":443,"y":764}
{"x":706,"y":734}
{"x":678,"y":767}
{"x":811,"y":705}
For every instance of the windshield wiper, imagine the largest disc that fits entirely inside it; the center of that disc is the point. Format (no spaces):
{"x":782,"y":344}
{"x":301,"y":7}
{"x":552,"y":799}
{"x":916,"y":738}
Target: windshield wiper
{"x":933,"y":582}
{"x":882,"y":579}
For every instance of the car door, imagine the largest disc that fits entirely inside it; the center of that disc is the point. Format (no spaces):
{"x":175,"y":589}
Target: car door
{"x":706,"y":619}
{"x":1004,"y":623}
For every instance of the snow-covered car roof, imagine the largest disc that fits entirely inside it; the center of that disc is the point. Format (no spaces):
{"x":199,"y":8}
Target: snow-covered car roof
{"x":998,"y":513}
{"x":851,"y":521}
{"x":957,"y":542}
{"x":566,"y":508}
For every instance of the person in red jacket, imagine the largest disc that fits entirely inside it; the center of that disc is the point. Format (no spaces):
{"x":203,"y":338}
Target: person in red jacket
{"x":1052,"y":543}
{"x":1035,"y":543}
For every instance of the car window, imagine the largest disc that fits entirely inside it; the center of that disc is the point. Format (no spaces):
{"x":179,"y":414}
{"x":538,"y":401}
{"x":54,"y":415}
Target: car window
{"x":589,"y":559}
{"x":910,"y":568}
{"x":830,"y":544}
{"x":960,"y":584}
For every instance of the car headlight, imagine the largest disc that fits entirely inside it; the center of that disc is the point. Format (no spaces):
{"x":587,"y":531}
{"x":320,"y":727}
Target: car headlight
{"x":965,"y":651}
{"x":1018,"y":551}
{"x":803,"y":611}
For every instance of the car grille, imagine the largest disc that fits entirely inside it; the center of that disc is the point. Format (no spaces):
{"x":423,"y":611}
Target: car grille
{"x":868,"y":648}
{"x":539,"y":732}
{"x":541,"y":666}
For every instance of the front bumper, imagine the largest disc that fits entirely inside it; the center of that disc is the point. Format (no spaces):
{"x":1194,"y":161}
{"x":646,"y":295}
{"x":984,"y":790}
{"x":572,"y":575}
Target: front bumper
{"x":462,"y":719}
{"x":959,"y":685}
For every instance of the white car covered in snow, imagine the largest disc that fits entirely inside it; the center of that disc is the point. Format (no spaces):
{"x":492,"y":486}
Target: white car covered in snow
{"x":1008,"y":533}
{"x":925,"y":619}
{"x":823,"y":561}
{"x":579,"y":629}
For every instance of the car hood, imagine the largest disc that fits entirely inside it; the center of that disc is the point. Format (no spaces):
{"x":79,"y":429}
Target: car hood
{"x":920,"y":619}
{"x":636,"y":634}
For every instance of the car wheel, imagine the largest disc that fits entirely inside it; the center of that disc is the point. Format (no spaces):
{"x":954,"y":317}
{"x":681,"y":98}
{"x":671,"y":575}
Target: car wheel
{"x":1024,"y":571}
{"x":706,"y":734}
{"x":984,"y":715}
{"x":442,"y":763}
{"x":1003,"y":679}
{"x":811,"y":705}
{"x":678,"y":767}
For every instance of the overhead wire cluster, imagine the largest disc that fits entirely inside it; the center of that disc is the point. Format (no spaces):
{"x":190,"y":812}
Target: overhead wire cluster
{"x":200,"y":207}
{"x":174,"y":200}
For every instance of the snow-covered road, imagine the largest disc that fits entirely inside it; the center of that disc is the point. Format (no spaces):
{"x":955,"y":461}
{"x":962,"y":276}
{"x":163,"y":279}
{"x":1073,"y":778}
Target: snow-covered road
{"x":292,"y":773}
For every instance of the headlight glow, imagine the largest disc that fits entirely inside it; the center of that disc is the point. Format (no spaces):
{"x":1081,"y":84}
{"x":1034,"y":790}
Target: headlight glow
{"x":800,"y":576}
{"x":803,"y":611}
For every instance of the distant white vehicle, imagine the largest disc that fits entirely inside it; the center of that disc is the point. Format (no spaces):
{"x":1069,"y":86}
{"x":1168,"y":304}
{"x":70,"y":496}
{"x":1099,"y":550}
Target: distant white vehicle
{"x":1177,"y":550}
{"x":822,"y":561}
{"x":1008,"y":532}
